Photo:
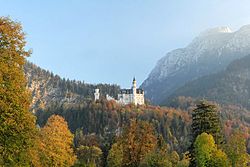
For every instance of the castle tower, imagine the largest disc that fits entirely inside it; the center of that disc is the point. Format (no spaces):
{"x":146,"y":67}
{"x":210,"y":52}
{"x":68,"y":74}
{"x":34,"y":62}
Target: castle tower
{"x":97,"y":94}
{"x":134,"y":86}
{"x":134,"y":91}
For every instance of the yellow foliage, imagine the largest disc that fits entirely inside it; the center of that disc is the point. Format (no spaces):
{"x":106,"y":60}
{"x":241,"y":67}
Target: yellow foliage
{"x":56,"y":143}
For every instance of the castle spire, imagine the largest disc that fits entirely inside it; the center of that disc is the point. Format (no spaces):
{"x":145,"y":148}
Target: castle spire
{"x":134,"y":79}
{"x":134,"y":83}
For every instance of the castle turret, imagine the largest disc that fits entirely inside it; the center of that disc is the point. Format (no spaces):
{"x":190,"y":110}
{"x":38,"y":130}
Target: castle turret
{"x":134,"y":91}
{"x":134,"y":86}
{"x":97,"y":94}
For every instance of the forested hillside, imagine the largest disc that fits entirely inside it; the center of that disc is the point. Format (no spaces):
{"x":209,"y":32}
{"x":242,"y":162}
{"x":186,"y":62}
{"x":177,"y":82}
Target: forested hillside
{"x":106,"y":118}
{"x":230,"y":87}
{"x":47,"y":88}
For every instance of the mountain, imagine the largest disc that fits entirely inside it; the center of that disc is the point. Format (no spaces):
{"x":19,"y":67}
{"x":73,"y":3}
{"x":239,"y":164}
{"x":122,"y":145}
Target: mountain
{"x":47,"y":88}
{"x":230,"y":86}
{"x":208,"y":53}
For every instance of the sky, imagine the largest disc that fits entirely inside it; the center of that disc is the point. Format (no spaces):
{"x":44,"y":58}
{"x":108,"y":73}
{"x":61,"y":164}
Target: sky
{"x":112,"y":41}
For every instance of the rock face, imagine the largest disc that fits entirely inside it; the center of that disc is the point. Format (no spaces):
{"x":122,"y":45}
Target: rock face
{"x":230,"y":86}
{"x":208,"y":53}
{"x":48,"y":89}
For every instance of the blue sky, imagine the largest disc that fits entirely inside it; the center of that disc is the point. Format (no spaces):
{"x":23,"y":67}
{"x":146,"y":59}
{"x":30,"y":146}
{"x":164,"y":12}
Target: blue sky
{"x":111,"y":41}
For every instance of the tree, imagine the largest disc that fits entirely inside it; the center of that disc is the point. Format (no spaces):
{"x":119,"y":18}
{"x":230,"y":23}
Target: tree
{"x":219,"y":159}
{"x":174,"y":157}
{"x":236,"y":150}
{"x":207,"y":154}
{"x":137,"y":141}
{"x":115,"y":156}
{"x":57,"y":142}
{"x":204,"y":146}
{"x":89,"y":155}
{"x":205,"y":118}
{"x":17,"y":124}
{"x":184,"y":162}
{"x":156,"y":159}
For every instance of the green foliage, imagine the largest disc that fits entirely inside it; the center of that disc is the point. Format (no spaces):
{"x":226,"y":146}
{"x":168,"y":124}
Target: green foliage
{"x":236,"y":150}
{"x":204,"y":147}
{"x":207,"y":154}
{"x":184,"y":162}
{"x":219,"y":159}
{"x":206,"y":119}
{"x":138,"y":146}
{"x":174,"y":158}
{"x":156,"y":159}
{"x":89,"y":155}
{"x":17,"y":124}
{"x":115,"y":155}
{"x":106,"y":118}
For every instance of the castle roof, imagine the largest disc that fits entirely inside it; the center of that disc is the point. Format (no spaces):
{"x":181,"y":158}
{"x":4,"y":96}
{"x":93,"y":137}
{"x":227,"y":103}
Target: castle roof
{"x":130,"y":91}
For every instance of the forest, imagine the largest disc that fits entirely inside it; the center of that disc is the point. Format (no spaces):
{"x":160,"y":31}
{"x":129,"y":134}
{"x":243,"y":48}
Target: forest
{"x":104,"y":133}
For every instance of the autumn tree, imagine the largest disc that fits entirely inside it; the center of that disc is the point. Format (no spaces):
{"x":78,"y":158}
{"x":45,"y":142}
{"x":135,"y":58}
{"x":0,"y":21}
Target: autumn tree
{"x":137,"y":140}
{"x":56,"y":143}
{"x":17,"y":124}
{"x":115,"y":156}
{"x":236,"y":150}
{"x":207,"y":154}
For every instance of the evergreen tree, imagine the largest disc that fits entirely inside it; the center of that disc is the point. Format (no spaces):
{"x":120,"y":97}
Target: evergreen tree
{"x":17,"y":124}
{"x":205,"y":118}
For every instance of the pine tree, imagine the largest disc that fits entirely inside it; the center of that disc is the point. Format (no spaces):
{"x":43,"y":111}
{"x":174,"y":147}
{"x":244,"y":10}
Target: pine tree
{"x":17,"y":124}
{"x":205,"y":118}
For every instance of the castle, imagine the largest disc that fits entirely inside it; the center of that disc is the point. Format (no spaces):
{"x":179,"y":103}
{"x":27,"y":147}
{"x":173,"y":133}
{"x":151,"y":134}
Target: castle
{"x":126,"y":96}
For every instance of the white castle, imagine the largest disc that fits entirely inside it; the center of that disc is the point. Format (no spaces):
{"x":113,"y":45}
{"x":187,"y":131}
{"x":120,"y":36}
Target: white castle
{"x":126,"y":96}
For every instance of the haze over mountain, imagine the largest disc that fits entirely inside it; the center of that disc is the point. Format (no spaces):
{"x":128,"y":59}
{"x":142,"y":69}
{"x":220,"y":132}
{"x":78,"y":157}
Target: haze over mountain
{"x":210,"y":52}
{"x":230,"y":86}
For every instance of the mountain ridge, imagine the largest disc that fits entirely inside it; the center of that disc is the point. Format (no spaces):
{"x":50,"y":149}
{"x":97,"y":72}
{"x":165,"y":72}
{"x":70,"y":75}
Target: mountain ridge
{"x":47,"y":88}
{"x":206,"y":54}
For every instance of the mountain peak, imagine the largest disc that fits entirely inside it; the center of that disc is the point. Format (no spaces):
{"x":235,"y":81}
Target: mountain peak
{"x":208,"y":53}
{"x":216,"y":30}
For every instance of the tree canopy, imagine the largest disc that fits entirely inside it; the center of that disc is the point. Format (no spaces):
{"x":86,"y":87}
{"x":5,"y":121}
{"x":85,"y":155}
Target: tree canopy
{"x":17,"y":124}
